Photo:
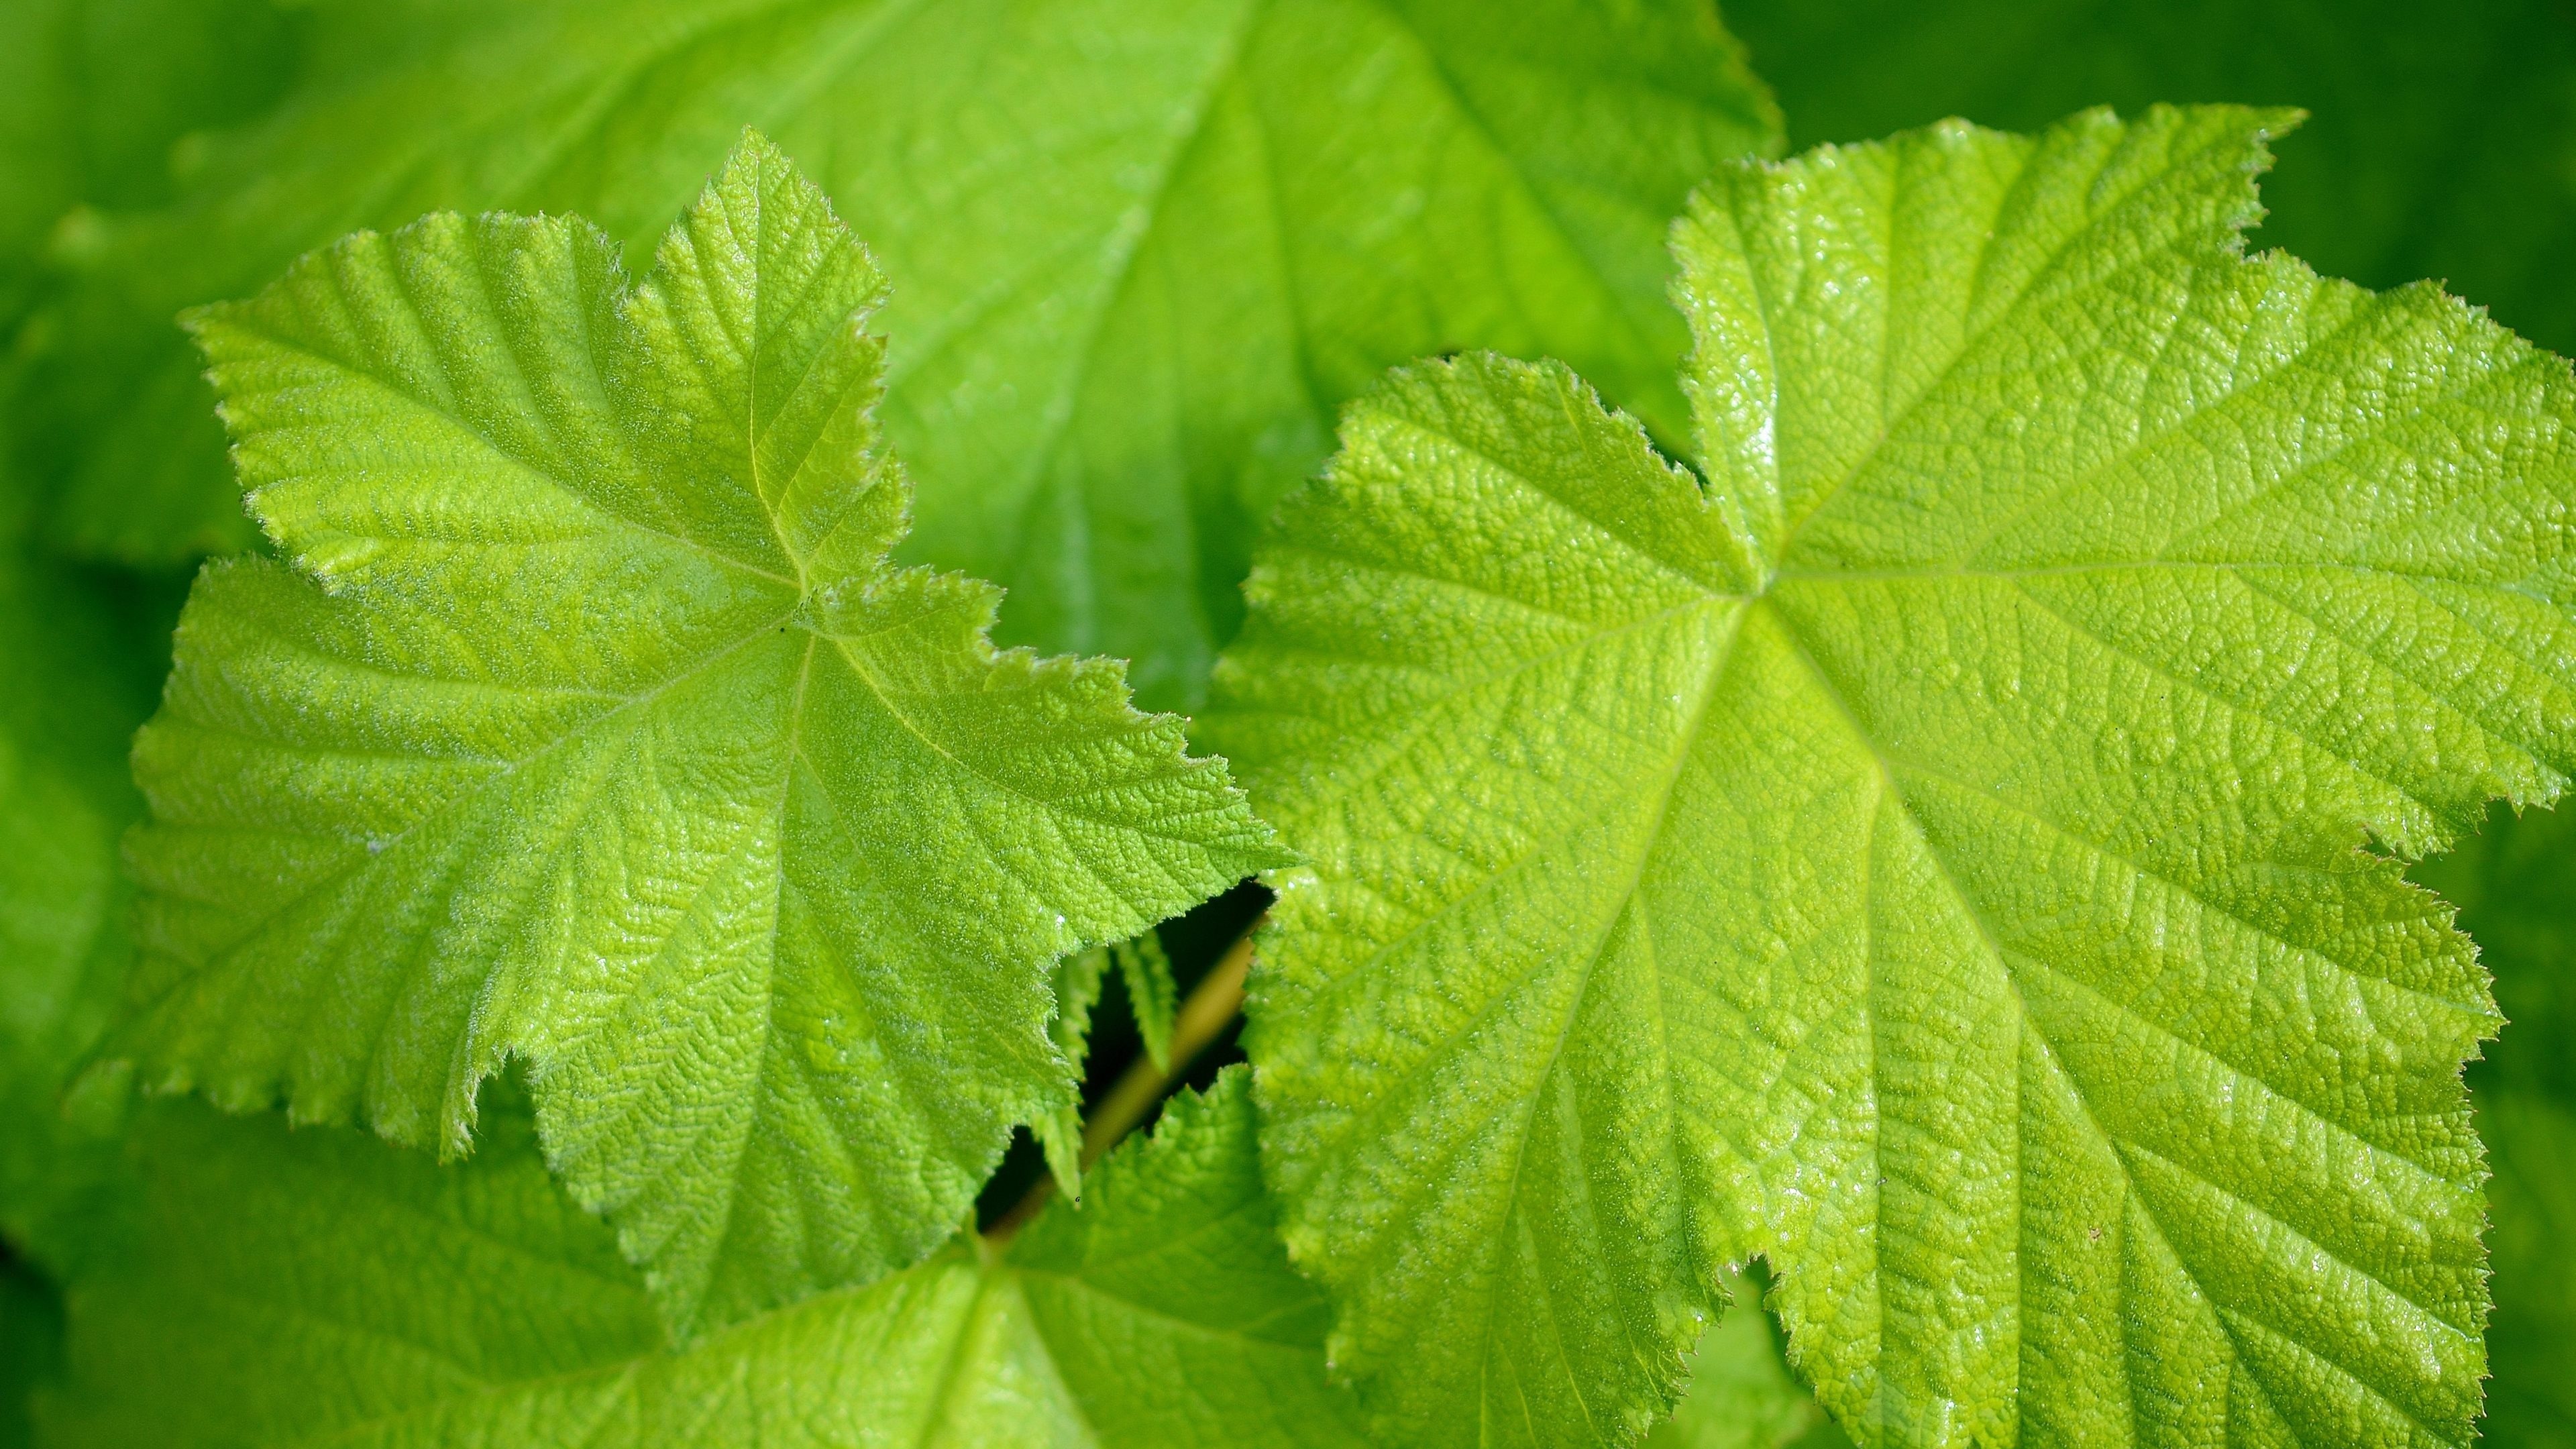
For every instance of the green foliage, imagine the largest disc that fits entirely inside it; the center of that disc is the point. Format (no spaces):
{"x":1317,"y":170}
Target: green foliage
{"x":1143,"y":250}
{"x":1884,"y":880}
{"x":78,"y":659}
{"x":1152,"y":997}
{"x":31,"y":1347}
{"x":2442,"y":138}
{"x":298,"y":1287}
{"x":74,"y":682}
{"x":1059,"y":1133}
{"x":94,"y":96}
{"x":1152,"y":994}
{"x":1927,"y":852}
{"x":591,"y":726}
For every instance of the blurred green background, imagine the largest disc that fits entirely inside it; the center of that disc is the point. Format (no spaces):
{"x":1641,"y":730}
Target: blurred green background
{"x":2441,"y":139}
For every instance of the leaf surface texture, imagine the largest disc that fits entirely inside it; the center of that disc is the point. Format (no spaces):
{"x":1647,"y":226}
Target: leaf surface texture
{"x":590,"y":725}
{"x":1928,"y":852}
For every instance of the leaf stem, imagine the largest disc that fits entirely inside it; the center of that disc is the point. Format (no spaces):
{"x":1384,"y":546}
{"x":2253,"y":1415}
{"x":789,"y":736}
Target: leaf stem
{"x":1211,"y":1006}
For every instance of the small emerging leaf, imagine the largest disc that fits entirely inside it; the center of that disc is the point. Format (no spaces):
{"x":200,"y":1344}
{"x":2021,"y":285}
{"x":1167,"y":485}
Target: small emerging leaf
{"x":590,"y":725}
{"x":1151,"y":993}
{"x":1059,"y":1133}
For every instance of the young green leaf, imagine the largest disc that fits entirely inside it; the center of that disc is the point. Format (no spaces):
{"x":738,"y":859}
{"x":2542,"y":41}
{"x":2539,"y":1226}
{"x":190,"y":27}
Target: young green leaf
{"x":1928,"y":852}
{"x":1059,"y":1133}
{"x":1152,"y":995}
{"x":307,"y":1287}
{"x":591,"y":726}
{"x":1144,"y":247}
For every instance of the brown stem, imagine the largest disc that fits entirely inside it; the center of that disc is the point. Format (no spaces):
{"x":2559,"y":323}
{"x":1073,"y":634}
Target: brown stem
{"x":1211,"y":1006}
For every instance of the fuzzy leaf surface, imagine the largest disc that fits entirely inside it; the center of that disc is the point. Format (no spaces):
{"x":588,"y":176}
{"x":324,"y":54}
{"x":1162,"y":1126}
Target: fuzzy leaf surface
{"x":316,"y":1286}
{"x":590,"y":725}
{"x":1141,"y":251}
{"x":1928,"y":853}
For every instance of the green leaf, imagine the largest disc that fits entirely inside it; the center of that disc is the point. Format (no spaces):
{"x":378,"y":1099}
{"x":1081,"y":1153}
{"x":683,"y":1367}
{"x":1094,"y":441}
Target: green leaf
{"x":591,"y":726}
{"x":2531,"y":1142}
{"x":1059,"y":1133}
{"x":303,"y":1287}
{"x":1151,"y":998}
{"x":1152,"y":995}
{"x":1143,"y":248}
{"x":2515,"y":884}
{"x":1927,"y":853}
{"x":2442,"y":144}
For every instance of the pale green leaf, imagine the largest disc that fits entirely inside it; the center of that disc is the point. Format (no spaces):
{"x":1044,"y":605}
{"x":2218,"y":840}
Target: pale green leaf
{"x":1142,"y":248}
{"x":590,"y":726}
{"x":314,"y":1286}
{"x":1928,"y":851}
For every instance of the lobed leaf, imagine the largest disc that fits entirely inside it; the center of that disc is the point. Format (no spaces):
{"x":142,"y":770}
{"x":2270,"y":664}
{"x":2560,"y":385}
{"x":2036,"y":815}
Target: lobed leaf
{"x":1927,"y":852}
{"x":589,"y":725}
{"x":296,"y":1287}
